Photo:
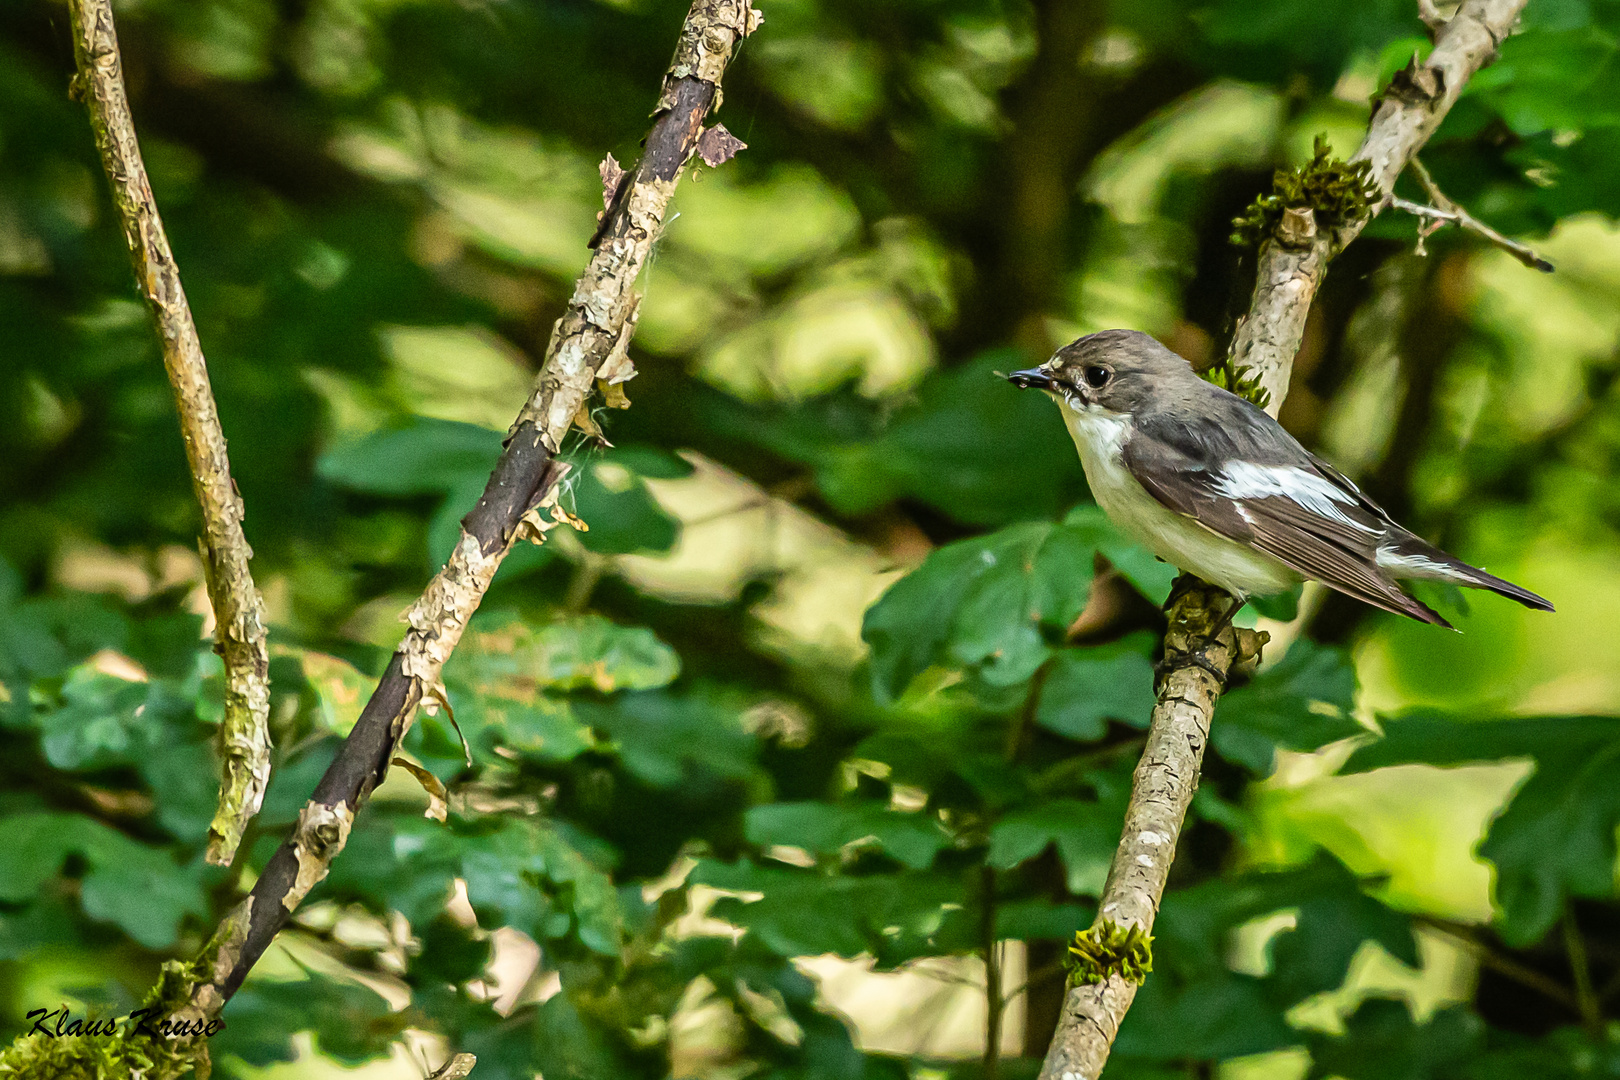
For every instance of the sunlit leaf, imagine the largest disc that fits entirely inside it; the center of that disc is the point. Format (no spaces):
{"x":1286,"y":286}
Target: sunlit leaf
{"x":1556,"y":838}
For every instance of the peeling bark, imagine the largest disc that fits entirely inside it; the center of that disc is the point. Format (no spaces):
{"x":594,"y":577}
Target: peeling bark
{"x":1292,"y":265}
{"x":588,"y":343}
{"x":238,"y":609}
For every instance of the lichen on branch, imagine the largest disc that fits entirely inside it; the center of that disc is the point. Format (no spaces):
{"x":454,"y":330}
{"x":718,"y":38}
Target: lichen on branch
{"x":238,"y":609}
{"x":588,"y":347}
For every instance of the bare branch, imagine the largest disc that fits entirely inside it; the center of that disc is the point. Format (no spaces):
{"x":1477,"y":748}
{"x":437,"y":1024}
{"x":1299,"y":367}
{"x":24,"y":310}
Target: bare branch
{"x":1292,"y":264}
{"x":1161,"y":791}
{"x":1444,"y":211}
{"x":1468,"y":937}
{"x":238,"y":610}
{"x":587,"y":343}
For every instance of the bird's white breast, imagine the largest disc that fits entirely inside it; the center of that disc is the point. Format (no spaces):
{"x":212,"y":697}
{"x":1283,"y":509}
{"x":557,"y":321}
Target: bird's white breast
{"x":1100,"y":437}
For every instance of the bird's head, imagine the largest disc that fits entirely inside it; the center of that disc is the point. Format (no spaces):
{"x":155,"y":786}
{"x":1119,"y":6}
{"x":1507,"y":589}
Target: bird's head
{"x":1118,"y":371}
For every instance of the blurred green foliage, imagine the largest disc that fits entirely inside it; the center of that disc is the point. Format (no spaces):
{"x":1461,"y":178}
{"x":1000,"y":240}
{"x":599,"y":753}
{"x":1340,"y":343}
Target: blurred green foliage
{"x":846,"y":680}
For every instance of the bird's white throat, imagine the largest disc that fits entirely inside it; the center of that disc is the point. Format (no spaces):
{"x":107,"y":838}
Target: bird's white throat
{"x":1100,"y":436}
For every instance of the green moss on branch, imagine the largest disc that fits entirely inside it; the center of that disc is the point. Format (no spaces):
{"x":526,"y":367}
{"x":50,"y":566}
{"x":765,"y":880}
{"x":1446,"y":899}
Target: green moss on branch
{"x":1109,"y":949}
{"x":1337,"y":192}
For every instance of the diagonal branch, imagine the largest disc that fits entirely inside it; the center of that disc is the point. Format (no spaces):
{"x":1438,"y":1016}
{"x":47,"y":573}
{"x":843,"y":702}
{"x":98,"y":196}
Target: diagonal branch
{"x":1416,"y":101}
{"x":1446,"y":212}
{"x":1292,"y":264}
{"x":587,"y":344}
{"x":238,"y":611}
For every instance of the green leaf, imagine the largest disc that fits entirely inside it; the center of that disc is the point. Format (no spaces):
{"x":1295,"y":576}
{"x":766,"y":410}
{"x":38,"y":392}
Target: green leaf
{"x":1195,"y":1007}
{"x":1039,"y":919}
{"x":987,"y":604}
{"x":1086,"y":834}
{"x":1283,"y":606}
{"x":1565,"y":1054}
{"x":670,"y":740}
{"x":1333,"y":918}
{"x":827,"y":829}
{"x":351,"y":1022}
{"x":1556,"y":838}
{"x":1221,"y":1015}
{"x":1552,"y":79}
{"x":184,"y":779}
{"x":1381,"y":1042}
{"x":99,"y":723}
{"x":519,"y":872}
{"x":499,"y":676}
{"x":1150,"y":575}
{"x":588,"y":651}
{"x":587,"y":890}
{"x":609,"y":494}
{"x":568,"y":1047}
{"x":45,"y":924}
{"x":805,"y":912}
{"x":544,"y":729}
{"x":424,"y":458}
{"x":1088,"y":687}
{"x":138,"y":888}
{"x":28,"y":648}
{"x":450,"y":953}
{"x":1303,"y":702}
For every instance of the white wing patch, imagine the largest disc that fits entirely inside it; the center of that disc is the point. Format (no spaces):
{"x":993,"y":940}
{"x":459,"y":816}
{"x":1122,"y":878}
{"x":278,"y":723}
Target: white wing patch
{"x":1417,"y":566}
{"x":1318,"y":494}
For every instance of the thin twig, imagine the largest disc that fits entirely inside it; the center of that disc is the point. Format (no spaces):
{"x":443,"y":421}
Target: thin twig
{"x":1506,"y":966}
{"x":1039,"y":977}
{"x":1290,"y":271}
{"x":1586,"y":1000}
{"x":238,"y":610}
{"x":1446,"y":212}
{"x":588,"y":343}
{"x":993,"y":1001}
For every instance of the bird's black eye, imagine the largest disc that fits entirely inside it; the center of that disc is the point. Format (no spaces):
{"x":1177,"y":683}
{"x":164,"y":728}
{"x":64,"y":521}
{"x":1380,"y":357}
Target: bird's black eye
{"x":1096,"y":377}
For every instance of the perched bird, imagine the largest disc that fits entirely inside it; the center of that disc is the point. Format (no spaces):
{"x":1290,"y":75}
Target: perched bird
{"x":1215,"y":486}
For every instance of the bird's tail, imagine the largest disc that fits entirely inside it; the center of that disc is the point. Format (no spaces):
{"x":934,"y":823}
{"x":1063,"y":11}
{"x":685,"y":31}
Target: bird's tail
{"x":1410,"y":556}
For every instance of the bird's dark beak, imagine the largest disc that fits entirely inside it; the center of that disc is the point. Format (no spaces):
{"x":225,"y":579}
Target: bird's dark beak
{"x":1029,"y":377}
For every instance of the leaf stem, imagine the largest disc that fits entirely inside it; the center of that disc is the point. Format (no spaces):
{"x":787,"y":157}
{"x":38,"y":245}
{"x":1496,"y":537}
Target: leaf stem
{"x":1522,"y":974}
{"x":1586,"y":1000}
{"x":1018,"y":730}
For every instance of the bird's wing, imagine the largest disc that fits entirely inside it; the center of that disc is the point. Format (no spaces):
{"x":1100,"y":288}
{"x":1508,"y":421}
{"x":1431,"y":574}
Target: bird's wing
{"x":1317,"y":524}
